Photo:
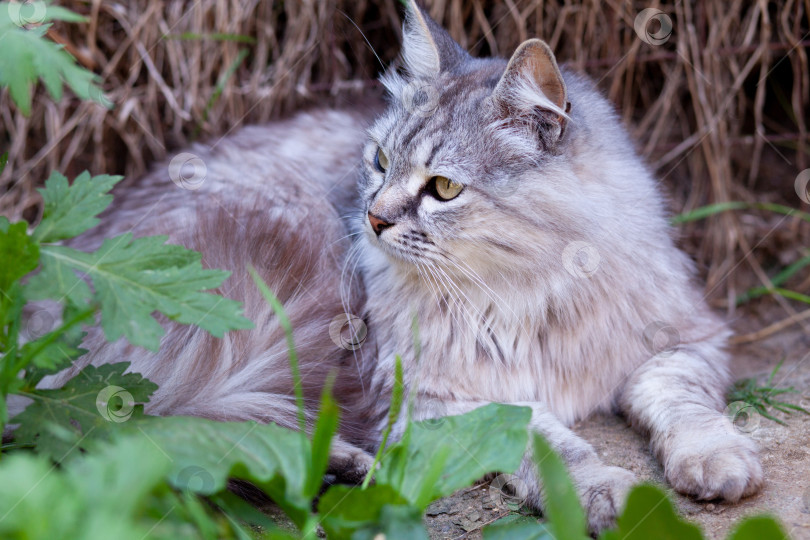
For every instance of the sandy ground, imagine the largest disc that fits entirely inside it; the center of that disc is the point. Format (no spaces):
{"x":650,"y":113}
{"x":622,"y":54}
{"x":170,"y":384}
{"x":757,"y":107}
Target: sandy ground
{"x":785,"y":450}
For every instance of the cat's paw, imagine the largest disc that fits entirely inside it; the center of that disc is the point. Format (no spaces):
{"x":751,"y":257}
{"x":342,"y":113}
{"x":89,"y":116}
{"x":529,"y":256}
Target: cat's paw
{"x":603,"y":492}
{"x":349,"y":463}
{"x":719,"y":465}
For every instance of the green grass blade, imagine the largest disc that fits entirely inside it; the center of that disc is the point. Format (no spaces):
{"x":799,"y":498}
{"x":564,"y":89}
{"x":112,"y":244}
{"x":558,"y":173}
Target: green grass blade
{"x":284,"y":321}
{"x":711,"y":209}
{"x":214,"y":36}
{"x":325,"y":428}
{"x":793,"y":295}
{"x":223,"y":80}
{"x":565,"y":516}
{"x":776,"y":280}
{"x":774,"y":371}
{"x":397,"y":395}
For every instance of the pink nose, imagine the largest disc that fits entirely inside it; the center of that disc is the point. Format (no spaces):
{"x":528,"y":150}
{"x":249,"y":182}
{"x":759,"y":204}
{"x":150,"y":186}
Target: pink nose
{"x":378,"y":224}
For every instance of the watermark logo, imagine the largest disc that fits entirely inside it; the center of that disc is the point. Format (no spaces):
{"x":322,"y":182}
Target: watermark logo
{"x":653,"y":26}
{"x":96,"y":93}
{"x":115,"y":404}
{"x":432,"y":424}
{"x":508,"y":491}
{"x":25,"y":13}
{"x":661,"y":339}
{"x":802,"y":185}
{"x":348,"y":331}
{"x":581,"y":259}
{"x":421,"y":98}
{"x":195,"y":479}
{"x":40,"y":323}
{"x":743,"y":416}
{"x":187,"y":171}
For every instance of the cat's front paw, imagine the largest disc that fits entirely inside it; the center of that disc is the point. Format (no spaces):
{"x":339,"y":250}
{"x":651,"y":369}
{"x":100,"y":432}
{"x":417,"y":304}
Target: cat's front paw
{"x":603,"y":492}
{"x":714,"y":465}
{"x":348,"y":463}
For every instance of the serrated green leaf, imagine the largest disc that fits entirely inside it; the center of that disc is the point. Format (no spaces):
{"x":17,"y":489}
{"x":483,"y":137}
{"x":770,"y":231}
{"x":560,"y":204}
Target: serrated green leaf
{"x":19,"y":253}
{"x":54,"y":350}
{"x":650,"y":514}
{"x":566,"y":519}
{"x":72,"y":209}
{"x":346,"y":509}
{"x":89,"y":402}
{"x":29,"y":55}
{"x":58,"y":13}
{"x":135,"y":278}
{"x":490,"y":438}
{"x":58,"y":281}
{"x":52,"y":356}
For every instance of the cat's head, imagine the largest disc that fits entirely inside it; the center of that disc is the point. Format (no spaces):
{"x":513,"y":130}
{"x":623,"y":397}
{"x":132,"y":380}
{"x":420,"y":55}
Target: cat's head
{"x":469,"y":160}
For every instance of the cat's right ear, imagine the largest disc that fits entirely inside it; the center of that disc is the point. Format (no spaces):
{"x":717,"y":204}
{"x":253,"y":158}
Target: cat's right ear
{"x":427,"y":48}
{"x":532,"y":88}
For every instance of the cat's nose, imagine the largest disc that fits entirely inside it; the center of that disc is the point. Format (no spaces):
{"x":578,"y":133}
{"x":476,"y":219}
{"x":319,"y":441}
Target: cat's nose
{"x":378,"y":224}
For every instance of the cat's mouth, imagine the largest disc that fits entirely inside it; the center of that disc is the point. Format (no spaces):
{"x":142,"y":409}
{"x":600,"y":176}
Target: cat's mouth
{"x":395,"y":247}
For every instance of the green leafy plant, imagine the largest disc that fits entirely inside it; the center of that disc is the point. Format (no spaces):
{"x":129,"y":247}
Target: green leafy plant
{"x":28,"y":55}
{"x":780,"y":277}
{"x":762,"y":397}
{"x":131,"y":279}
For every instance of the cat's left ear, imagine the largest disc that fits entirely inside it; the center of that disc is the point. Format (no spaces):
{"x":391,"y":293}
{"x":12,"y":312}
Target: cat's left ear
{"x":532,"y":88}
{"x":427,"y":48}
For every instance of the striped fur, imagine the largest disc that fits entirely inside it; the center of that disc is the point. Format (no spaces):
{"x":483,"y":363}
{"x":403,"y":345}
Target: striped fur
{"x":549,"y":281}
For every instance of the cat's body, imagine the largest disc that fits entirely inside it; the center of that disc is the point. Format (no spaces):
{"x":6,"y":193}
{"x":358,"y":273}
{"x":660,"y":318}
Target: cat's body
{"x":549,"y":279}
{"x":256,"y":198}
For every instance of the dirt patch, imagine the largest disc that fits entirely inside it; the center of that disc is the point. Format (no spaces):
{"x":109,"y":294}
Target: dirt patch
{"x":785,"y":451}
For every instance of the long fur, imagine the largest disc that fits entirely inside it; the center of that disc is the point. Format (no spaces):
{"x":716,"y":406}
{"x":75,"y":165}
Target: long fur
{"x":550,"y":281}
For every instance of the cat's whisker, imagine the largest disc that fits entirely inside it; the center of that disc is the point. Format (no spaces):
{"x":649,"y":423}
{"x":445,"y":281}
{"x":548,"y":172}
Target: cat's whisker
{"x":469,"y":318}
{"x":443,"y":297}
{"x":345,"y":237}
{"x":371,"y":48}
{"x":345,"y":300}
{"x":476,"y":279}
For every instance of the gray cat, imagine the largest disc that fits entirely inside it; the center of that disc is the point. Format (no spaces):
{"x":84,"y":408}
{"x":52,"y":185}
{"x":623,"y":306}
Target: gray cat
{"x":503,"y":204}
{"x":507,"y":208}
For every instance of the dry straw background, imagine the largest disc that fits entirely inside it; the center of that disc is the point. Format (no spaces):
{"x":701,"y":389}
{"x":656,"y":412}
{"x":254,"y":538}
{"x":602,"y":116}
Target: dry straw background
{"x":720,"y":109}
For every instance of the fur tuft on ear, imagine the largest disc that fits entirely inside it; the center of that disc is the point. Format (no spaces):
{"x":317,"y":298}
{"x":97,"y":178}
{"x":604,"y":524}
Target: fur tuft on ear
{"x":532,"y":89}
{"x":427,"y":49}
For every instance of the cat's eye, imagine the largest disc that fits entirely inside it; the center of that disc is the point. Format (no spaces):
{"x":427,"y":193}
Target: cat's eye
{"x":381,"y":160}
{"x":444,"y":188}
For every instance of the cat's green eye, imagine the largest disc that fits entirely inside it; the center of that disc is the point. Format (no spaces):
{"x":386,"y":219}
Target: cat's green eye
{"x":445,"y":189}
{"x":381,"y":160}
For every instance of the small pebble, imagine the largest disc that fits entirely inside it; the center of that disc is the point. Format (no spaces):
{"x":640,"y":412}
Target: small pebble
{"x":469,"y":526}
{"x":710,"y":507}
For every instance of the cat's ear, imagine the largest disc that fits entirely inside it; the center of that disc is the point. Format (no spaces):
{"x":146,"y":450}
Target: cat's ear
{"x":427,"y":48}
{"x":532,"y":88}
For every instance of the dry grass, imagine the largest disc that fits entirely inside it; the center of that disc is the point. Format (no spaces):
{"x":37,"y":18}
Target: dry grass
{"x":720,"y":109}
